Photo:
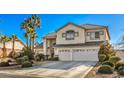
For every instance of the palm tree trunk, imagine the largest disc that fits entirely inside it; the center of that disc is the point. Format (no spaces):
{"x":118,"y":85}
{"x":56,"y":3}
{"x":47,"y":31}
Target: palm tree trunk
{"x":4,"y":50}
{"x":30,"y":42}
{"x":27,"y":41}
{"x":13,"y":47}
{"x":33,"y":44}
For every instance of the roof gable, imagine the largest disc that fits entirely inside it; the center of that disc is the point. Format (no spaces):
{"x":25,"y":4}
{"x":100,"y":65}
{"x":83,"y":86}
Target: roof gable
{"x":69,"y":24}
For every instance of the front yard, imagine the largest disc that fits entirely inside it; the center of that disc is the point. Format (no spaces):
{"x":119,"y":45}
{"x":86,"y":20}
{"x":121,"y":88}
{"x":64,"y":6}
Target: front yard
{"x":94,"y":74}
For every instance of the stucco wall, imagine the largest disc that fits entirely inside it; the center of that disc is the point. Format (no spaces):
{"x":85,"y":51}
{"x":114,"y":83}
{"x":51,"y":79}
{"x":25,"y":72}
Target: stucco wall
{"x":18,"y":47}
{"x":79,"y":39}
{"x":102,"y":37}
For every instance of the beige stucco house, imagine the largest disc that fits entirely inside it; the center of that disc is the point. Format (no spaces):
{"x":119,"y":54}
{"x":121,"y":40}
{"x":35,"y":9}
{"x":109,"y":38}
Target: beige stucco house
{"x":38,"y":49}
{"x":19,"y":45}
{"x":74,"y":42}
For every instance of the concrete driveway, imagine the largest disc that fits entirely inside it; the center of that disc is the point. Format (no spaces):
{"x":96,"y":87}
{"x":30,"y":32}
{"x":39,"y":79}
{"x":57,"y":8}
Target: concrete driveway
{"x":53,"y":69}
{"x":65,"y":65}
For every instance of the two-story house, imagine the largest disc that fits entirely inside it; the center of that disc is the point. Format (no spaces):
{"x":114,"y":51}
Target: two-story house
{"x":76,"y":42}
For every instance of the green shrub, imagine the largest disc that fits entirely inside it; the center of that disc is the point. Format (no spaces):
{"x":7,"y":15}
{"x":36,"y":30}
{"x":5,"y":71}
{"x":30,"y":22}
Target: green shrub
{"x":54,"y":59}
{"x":108,"y":63}
{"x":3,"y":64}
{"x":119,"y":64}
{"x":114,"y":59}
{"x":26,"y":58}
{"x":105,"y":69}
{"x":121,"y":70}
{"x":20,"y":60}
{"x":39,"y":57}
{"x":107,"y":50}
{"x":102,"y":57}
{"x":26,"y":64}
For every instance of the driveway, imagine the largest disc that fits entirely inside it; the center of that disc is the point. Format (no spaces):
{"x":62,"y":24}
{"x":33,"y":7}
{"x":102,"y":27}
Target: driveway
{"x":53,"y":69}
{"x":65,"y":65}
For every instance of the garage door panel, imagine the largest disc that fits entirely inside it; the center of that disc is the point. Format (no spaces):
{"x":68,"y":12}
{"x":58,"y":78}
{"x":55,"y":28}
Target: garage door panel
{"x":85,"y":55}
{"x":65,"y":55}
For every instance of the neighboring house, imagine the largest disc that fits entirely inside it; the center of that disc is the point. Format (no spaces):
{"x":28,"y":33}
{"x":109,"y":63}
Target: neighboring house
{"x":76,"y":42}
{"x":19,"y":45}
{"x":38,"y":49}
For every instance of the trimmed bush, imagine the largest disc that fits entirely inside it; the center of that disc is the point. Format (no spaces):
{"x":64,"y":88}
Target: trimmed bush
{"x":119,"y":64}
{"x":54,"y":59}
{"x":121,"y":70}
{"x":39,"y":57}
{"x":26,"y":58}
{"x":21,"y":59}
{"x":105,"y":69}
{"x":102,"y":57}
{"x":26,"y":64}
{"x":114,"y":59}
{"x":3,"y":64}
{"x":108,"y":63}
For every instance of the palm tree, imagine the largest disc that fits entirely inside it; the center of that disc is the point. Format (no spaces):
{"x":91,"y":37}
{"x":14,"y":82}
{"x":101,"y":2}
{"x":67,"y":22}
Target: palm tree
{"x":25,"y":26}
{"x":3,"y":40}
{"x":30,"y":24}
{"x":33,"y":40}
{"x":26,"y":36}
{"x":13,"y":38}
{"x":34,"y":23}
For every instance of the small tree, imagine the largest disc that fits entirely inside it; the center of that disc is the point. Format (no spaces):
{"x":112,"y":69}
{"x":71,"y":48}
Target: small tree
{"x":107,"y":50}
{"x":3,"y":40}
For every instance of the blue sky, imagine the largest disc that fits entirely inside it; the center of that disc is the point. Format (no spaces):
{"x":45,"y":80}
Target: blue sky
{"x":10,"y":23}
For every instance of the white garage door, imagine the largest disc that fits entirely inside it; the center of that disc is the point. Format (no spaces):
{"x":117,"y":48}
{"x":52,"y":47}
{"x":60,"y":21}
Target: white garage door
{"x":85,"y":55}
{"x":65,"y":55}
{"x":79,"y":55}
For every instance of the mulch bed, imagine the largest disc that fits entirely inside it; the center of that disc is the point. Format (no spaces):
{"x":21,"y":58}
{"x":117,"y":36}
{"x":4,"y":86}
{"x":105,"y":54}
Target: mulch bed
{"x":93,"y":73}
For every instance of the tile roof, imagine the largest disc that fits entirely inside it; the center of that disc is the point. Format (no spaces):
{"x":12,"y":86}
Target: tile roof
{"x":39,"y":45}
{"x":52,"y":34}
{"x":92,"y":26}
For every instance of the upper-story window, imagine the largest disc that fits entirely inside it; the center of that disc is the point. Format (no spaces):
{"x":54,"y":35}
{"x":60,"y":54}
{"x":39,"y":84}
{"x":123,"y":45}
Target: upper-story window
{"x":95,"y":35}
{"x":70,"y":35}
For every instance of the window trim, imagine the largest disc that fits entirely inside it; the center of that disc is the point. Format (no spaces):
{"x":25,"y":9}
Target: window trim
{"x":76,"y":34}
{"x":63,"y":35}
{"x":101,"y":32}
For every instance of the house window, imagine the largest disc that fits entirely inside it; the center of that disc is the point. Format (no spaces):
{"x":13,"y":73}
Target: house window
{"x":70,"y":35}
{"x":94,"y":35}
{"x":97,"y":35}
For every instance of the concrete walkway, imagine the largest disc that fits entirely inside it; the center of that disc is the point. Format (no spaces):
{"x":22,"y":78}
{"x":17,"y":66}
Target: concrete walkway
{"x":52,"y":69}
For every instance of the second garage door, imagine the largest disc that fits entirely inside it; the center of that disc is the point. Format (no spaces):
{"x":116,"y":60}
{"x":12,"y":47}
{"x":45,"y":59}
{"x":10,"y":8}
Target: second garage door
{"x":85,"y":55}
